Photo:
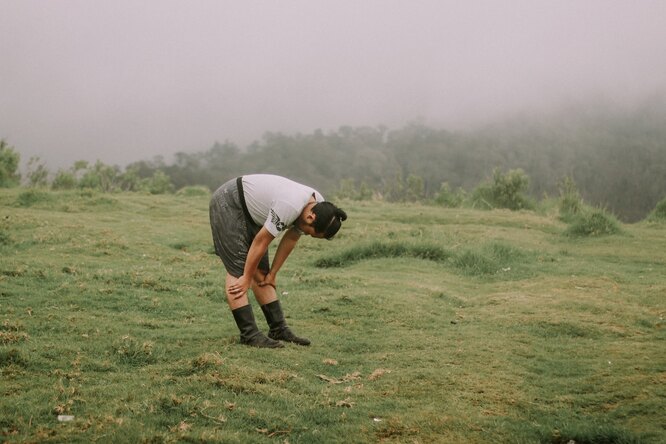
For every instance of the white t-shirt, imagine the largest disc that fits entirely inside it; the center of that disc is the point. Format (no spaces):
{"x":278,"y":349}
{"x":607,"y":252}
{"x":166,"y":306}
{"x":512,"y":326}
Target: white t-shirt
{"x":276,"y":202}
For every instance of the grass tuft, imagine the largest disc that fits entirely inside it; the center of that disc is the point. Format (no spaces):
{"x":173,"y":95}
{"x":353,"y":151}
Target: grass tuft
{"x":487,"y":260}
{"x":131,"y":352}
{"x":10,"y":333}
{"x":473,"y":263}
{"x":378,"y":250}
{"x":5,"y":237}
{"x":206,"y":362}
{"x":588,"y":433}
{"x":562,"y":329}
{"x":593,"y":223}
{"x":12,"y":356}
{"x":32,"y":197}
{"x":10,"y":337}
{"x":659,"y":212}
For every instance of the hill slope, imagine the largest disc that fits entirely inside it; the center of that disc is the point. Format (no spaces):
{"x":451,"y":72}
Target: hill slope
{"x":428,"y":325}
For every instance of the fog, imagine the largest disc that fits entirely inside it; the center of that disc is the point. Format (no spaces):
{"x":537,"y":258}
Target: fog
{"x":122,"y":81}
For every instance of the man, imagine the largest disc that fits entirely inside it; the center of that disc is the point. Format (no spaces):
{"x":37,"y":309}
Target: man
{"x":246,"y":214}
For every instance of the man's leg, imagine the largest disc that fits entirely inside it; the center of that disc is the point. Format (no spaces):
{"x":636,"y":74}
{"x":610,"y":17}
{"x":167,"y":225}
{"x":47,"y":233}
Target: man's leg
{"x":270,"y":305}
{"x":244,"y":317}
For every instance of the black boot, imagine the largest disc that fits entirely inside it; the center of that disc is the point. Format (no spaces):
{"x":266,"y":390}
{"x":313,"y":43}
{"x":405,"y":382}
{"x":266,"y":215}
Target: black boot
{"x":249,"y":333}
{"x":278,"y":326}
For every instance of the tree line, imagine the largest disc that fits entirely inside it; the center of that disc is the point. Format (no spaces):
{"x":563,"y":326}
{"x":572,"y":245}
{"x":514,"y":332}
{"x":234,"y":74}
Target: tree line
{"x":616,"y":157}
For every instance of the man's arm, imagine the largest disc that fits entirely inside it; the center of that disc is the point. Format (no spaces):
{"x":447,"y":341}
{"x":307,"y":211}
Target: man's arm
{"x":257,"y":250}
{"x":286,"y":246}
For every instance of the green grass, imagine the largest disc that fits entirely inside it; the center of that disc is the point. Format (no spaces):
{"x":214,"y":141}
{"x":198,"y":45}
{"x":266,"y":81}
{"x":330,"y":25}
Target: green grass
{"x":595,"y":222}
{"x":428,"y":325}
{"x":658,"y":215}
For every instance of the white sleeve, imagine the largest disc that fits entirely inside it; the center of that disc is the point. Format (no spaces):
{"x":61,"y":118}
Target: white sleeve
{"x":280,"y":216}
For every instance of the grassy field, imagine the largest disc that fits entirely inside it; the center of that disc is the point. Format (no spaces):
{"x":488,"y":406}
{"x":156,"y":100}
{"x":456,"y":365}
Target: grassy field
{"x":428,"y":325}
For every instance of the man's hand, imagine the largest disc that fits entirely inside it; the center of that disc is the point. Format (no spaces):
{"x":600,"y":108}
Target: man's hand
{"x":269,"y":279}
{"x":240,"y":287}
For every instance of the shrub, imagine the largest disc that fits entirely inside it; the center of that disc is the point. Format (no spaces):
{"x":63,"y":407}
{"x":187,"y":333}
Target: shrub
{"x":64,"y":180}
{"x":415,"y":189}
{"x":159,"y":183}
{"x":505,"y":191}
{"x":9,"y":163}
{"x":570,"y":202}
{"x":100,"y":177}
{"x":31,"y":197}
{"x":37,"y":174}
{"x":482,"y":197}
{"x":596,"y":222}
{"x":130,"y":179}
{"x":659,"y":212}
{"x":448,"y":198}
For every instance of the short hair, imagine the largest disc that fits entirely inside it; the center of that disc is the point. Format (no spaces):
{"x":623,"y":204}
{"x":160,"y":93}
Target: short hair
{"x":328,"y":219}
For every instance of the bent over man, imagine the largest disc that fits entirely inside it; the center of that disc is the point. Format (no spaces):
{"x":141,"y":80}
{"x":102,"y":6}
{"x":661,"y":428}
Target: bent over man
{"x":246,"y":214}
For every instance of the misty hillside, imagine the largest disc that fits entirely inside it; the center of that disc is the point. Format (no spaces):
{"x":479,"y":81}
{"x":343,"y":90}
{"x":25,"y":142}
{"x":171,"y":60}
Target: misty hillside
{"x":616,"y":156}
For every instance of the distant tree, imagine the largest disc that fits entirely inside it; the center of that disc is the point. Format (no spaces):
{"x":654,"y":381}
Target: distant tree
{"x":395,"y":189}
{"x":365,"y":192}
{"x":9,"y":163}
{"x":130,"y":180}
{"x":69,"y":179}
{"x":109,"y":176}
{"x":617,"y":158}
{"x":449,"y":198}
{"x":159,"y":183}
{"x":101,"y":177}
{"x":143,"y":168}
{"x":423,"y":152}
{"x":64,"y":180}
{"x":90,"y":180}
{"x":415,"y":189}
{"x":79,"y":168}
{"x":346,"y":190}
{"x":37,"y":174}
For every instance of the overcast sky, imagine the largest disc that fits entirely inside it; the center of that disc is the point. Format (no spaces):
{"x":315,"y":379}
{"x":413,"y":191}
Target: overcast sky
{"x":125,"y":80}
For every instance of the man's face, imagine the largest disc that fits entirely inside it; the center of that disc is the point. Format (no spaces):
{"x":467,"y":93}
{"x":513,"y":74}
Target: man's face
{"x":305,"y":222}
{"x":308,"y":229}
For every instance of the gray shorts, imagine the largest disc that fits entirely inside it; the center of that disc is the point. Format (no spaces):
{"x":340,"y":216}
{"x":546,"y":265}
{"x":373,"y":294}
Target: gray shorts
{"x":232,"y":231}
